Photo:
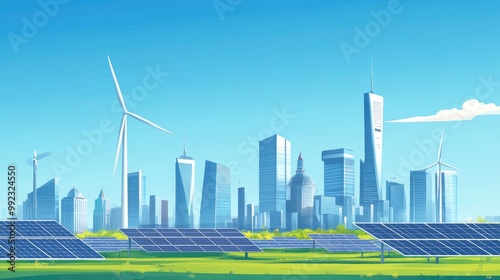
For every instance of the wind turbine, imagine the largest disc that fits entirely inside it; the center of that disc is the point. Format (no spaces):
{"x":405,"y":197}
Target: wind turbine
{"x":34,"y":161}
{"x":439,"y":188}
{"x":122,"y":137}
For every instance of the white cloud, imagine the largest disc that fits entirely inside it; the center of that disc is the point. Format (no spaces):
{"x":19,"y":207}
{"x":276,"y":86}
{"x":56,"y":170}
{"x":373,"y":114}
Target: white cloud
{"x":470,"y":109}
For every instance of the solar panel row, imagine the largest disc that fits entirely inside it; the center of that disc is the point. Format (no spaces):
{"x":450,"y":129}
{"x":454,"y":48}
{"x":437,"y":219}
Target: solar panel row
{"x":438,"y":239}
{"x":191,"y":240}
{"x":35,"y":228}
{"x":51,"y":249}
{"x":110,"y":245}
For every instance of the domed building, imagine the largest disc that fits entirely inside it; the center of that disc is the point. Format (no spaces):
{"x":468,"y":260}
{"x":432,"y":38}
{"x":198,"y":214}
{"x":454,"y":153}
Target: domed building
{"x":74,"y":211}
{"x":300,"y":206}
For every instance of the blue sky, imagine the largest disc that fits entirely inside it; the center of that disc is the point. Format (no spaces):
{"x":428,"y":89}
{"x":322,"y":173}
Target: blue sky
{"x":232,"y":73}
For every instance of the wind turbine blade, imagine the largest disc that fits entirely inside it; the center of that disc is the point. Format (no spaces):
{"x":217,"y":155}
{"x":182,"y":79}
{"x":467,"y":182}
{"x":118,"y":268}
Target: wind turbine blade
{"x":430,"y":166}
{"x":440,"y":146}
{"x":43,"y":155}
{"x":118,"y":91}
{"x":148,"y":122}
{"x":120,"y":138}
{"x":449,"y":166}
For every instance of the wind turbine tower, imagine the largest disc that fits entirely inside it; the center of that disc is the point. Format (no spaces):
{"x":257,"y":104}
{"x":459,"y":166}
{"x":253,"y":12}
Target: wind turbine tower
{"x":122,"y":139}
{"x":439,"y":187}
{"x":35,"y":160}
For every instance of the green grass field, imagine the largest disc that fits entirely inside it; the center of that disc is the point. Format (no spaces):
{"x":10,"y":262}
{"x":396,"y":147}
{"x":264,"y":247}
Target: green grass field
{"x":274,"y":264}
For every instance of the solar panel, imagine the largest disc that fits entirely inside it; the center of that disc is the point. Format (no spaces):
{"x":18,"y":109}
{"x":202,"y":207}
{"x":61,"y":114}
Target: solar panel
{"x":38,"y":240}
{"x":110,"y":244}
{"x":191,"y":240}
{"x":343,"y":243}
{"x":438,"y":239}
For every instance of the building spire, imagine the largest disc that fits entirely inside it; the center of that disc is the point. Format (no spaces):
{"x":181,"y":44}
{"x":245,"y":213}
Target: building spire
{"x":371,"y":88}
{"x":185,"y":151}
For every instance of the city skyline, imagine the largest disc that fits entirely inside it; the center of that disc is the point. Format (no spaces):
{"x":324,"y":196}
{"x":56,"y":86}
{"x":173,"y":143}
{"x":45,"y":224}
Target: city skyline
{"x":308,"y":94}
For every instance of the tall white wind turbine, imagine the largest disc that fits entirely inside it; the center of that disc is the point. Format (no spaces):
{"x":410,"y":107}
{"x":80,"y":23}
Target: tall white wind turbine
{"x":439,"y":187}
{"x":34,"y":161}
{"x":122,"y":140}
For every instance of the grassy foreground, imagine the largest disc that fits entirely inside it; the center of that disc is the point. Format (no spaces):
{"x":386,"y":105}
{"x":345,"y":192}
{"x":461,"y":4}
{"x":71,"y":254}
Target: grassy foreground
{"x":265,"y":265}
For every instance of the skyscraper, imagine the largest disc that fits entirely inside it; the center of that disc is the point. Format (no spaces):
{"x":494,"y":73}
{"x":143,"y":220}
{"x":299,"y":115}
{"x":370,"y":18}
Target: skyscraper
{"x":134,"y":198}
{"x":339,"y":180}
{"x":216,"y":199}
{"x":274,"y":174}
{"x":301,"y":197}
{"x":74,"y":211}
{"x":241,"y":208}
{"x":421,"y":197}
{"x":395,"y":194}
{"x":115,"y":218}
{"x":449,"y":182}
{"x":164,"y":214}
{"x":102,"y":213}
{"x":251,"y":217}
{"x":47,"y":202}
{"x":152,"y":211}
{"x":185,"y":204}
{"x":371,"y":167}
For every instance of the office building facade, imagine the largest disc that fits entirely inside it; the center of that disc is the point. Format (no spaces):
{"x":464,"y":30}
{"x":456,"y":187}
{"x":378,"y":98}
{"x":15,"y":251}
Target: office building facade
{"x":421,"y":197}
{"x":185,"y":200}
{"x":102,"y":213}
{"x":216,"y":197}
{"x":74,"y":212}
{"x":135,"y":199}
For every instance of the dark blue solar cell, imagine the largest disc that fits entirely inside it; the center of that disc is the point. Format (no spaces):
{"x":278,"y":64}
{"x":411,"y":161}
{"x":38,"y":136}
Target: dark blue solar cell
{"x":249,"y":249}
{"x":180,"y":241}
{"x":160,"y":241}
{"x":456,"y":231}
{"x":26,"y":250}
{"x":188,"y":232}
{"x":53,"y":248}
{"x":489,"y":230}
{"x":379,"y":231}
{"x":54,"y":228}
{"x":211,"y":248}
{"x":220,"y":241}
{"x":434,"y":248}
{"x":189,"y":248}
{"x":230,"y":248}
{"x":415,"y":231}
{"x":209,"y":232}
{"x":489,"y":246}
{"x":151,"y":248}
{"x":131,"y":232}
{"x":240,"y":241}
{"x":406,"y":248}
{"x":141,"y":241}
{"x":149,"y":232}
{"x":202,"y":241}
{"x":168,"y":248}
{"x":30,"y":228}
{"x":169,"y":232}
{"x":78,"y":248}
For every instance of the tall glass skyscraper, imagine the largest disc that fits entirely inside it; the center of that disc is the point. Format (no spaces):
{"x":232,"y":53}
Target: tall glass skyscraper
{"x":216,"y":199}
{"x":449,"y":183}
{"x":134,"y":199}
{"x":102,"y":213}
{"x":339,"y":180}
{"x":421,"y":197}
{"x":302,"y":193}
{"x":164,"y":214}
{"x":74,"y":211}
{"x":47,"y":202}
{"x":395,"y":194}
{"x":274,"y":173}
{"x":371,"y":167}
{"x":186,"y":203}
{"x":241,"y":208}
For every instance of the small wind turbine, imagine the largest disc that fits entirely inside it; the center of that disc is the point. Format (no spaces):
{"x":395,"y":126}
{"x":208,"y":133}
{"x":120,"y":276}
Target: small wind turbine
{"x":34,"y":161}
{"x":122,"y":137}
{"x":439,"y":188}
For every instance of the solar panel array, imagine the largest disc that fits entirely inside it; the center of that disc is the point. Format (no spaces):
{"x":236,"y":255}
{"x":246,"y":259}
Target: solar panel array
{"x":438,"y":239}
{"x":284,"y":243}
{"x":344,"y":243}
{"x":110,"y":244}
{"x":191,"y":240}
{"x":44,"y":240}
